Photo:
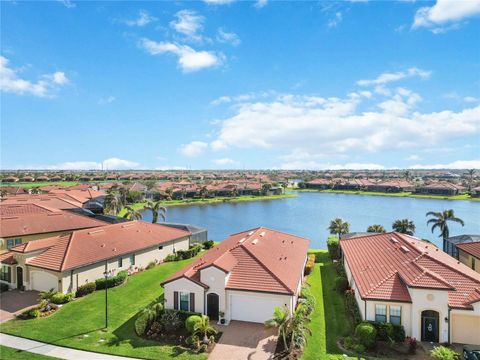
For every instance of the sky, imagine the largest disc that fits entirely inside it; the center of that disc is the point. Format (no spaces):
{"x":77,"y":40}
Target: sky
{"x":222,"y":84}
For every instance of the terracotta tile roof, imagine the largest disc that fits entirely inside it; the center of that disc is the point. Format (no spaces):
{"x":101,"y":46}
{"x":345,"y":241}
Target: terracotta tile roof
{"x":35,"y":245}
{"x":384,"y":266}
{"x":81,"y":196}
{"x":472,"y":248}
{"x":56,"y":201}
{"x":89,"y":246}
{"x":7,"y":258}
{"x":260,"y":260}
{"x":22,"y":209}
{"x":39,"y":223}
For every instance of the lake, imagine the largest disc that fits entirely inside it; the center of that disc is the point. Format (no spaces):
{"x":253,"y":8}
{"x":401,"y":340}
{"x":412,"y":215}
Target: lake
{"x":309,"y":215}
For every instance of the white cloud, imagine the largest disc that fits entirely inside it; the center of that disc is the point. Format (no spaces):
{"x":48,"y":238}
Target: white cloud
{"x":11,"y":82}
{"x":188,"y":23}
{"x":218,"y":2}
{"x":313,"y":165}
{"x":106,"y":100}
{"x":387,"y":77}
{"x":470,"y":99}
{"x":224,"y":161}
{"x":337,"y":19}
{"x":228,"y":37}
{"x":108,"y":164}
{"x":193,"y":149}
{"x":260,"y":3}
{"x":144,"y":18}
{"x":68,"y":4}
{"x":460,"y":164}
{"x":413,"y":157}
{"x":445,"y":15}
{"x":171,"y":167}
{"x":189,"y":59}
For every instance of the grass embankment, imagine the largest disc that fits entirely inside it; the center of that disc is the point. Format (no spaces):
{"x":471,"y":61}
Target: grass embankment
{"x":401,"y":194}
{"x":79,"y":324}
{"x":216,"y":200}
{"x":35,"y":184}
{"x":329,"y":321}
{"x":14,"y":354}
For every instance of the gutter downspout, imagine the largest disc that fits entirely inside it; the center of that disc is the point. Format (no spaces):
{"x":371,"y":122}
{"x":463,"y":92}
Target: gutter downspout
{"x":71,"y":281}
{"x":449,"y":309}
{"x":365,"y":301}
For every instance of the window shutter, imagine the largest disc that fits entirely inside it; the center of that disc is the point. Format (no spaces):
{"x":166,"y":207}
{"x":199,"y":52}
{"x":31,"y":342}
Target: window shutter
{"x":175,"y":300}
{"x":192,"y":302}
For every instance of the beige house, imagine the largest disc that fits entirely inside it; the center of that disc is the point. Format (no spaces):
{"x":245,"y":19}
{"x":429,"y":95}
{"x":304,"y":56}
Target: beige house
{"x":243,"y":278}
{"x":403,"y":280}
{"x":68,"y":261}
{"x":469,"y":254}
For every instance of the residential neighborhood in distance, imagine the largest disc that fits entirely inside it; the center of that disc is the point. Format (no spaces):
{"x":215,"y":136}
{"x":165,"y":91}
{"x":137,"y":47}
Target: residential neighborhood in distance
{"x":240,"y":180}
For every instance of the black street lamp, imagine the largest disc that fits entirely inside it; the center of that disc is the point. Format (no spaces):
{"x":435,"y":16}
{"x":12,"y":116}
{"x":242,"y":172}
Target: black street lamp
{"x":107,"y":275}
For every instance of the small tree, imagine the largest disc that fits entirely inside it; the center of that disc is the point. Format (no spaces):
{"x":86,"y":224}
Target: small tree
{"x":339,"y":227}
{"x":404,"y":226}
{"x":280,"y":320}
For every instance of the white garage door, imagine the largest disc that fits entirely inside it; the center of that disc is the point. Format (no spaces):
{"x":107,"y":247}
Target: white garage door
{"x":42,"y":281}
{"x":254,"y":307}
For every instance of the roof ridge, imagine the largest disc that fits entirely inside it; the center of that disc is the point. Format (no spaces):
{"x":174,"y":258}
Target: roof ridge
{"x":381,"y":282}
{"x":66,"y":252}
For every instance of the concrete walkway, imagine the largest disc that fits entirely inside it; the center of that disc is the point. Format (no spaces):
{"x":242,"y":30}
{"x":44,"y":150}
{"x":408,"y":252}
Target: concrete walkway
{"x":52,"y":350}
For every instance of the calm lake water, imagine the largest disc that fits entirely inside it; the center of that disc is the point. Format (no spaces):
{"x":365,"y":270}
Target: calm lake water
{"x":309,"y":215}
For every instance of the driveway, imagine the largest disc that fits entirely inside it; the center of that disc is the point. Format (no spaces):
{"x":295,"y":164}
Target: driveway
{"x":14,"y":302}
{"x":245,"y":341}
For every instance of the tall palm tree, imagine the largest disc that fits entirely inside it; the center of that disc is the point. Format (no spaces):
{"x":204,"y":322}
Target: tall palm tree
{"x":470,"y":174}
{"x":123,"y":194}
{"x":266,"y":188}
{"x":112,"y":203}
{"x":203,"y":192}
{"x":376,"y":228}
{"x":280,"y":320}
{"x":158,"y":211}
{"x":339,"y":227}
{"x":132,"y":213}
{"x":440,"y":220}
{"x":404,"y":226}
{"x":407,"y":174}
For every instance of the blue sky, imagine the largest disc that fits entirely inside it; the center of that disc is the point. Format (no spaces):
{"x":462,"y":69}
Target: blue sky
{"x":225,"y":84}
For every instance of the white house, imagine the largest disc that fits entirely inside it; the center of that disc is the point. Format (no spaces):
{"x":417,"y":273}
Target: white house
{"x":244,"y":277}
{"x":403,"y":280}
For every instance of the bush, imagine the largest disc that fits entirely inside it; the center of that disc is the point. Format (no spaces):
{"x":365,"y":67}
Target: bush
{"x":151,"y":265}
{"x":388,"y":331}
{"x":340,"y":269}
{"x":398,"y":333}
{"x":341,"y":284}
{"x":352,"y":307}
{"x":3,"y":287}
{"x":193,"y":341}
{"x":61,"y":298}
{"x":191,"y":321}
{"x":85,"y":289}
{"x":333,"y":245}
{"x":358,"y":348}
{"x":412,"y":345}
{"x":442,"y":353}
{"x":170,"y":320}
{"x":348,"y":343}
{"x":310,"y":264}
{"x":112,"y":281}
{"x":208,"y":244}
{"x":141,"y":324}
{"x":33,"y":313}
{"x":169,"y":258}
{"x":366,"y":334}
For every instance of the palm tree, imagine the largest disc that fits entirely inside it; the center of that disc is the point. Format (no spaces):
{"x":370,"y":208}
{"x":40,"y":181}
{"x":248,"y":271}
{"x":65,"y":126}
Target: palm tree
{"x":123,"y":194}
{"x":376,"y":228}
{"x":112,"y":203}
{"x":339,"y":227}
{"x":280,"y":320}
{"x":404,"y":226}
{"x":35,"y":190}
{"x":440,"y":220}
{"x":298,"y":330}
{"x":203,"y":192}
{"x":203,"y":327}
{"x":470,"y":174}
{"x":406,"y":174}
{"x":132,"y":213}
{"x":157,"y":210}
{"x":266,"y":188}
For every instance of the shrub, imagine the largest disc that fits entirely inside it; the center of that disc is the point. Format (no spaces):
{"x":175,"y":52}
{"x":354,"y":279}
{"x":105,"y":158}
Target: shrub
{"x":341,"y":284}
{"x":3,"y":287}
{"x":191,"y":321}
{"x":170,"y":257}
{"x":61,"y":298}
{"x":333,"y":245}
{"x":112,"y":281}
{"x":412,"y":345}
{"x":151,"y":265}
{"x":358,"y":348}
{"x":33,"y":313}
{"x":352,"y":307}
{"x":348,"y":343}
{"x":310,"y":264}
{"x":366,"y":334}
{"x":170,"y":320}
{"x":193,"y":341}
{"x":398,"y":333}
{"x":208,"y":244}
{"x":85,"y":289}
{"x":340,"y":269}
{"x":442,"y":353}
{"x":384,"y":330}
{"x":141,"y":324}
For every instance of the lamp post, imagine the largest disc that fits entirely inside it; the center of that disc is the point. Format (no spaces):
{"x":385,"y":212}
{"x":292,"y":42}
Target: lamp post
{"x":107,"y":275}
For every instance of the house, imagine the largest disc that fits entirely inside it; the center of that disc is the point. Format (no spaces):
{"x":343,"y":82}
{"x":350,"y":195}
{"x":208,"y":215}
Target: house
{"x":197,"y":234}
{"x":321,"y":184}
{"x":469,"y":254}
{"x":476,"y":191}
{"x":450,"y":244}
{"x":403,"y":280}
{"x":391,"y":186}
{"x":49,"y":200}
{"x":243,"y":278}
{"x":90,"y":199}
{"x":23,"y":223}
{"x":67,"y":261}
{"x":441,"y":188}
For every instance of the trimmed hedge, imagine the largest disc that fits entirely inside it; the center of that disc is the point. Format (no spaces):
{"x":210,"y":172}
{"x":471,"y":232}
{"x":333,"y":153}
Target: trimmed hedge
{"x":85,"y":289}
{"x":191,"y":322}
{"x":208,"y":244}
{"x":387,"y":331}
{"x":366,"y":334}
{"x":112,"y":281}
{"x":188,"y":254}
{"x":61,"y":298}
{"x":310,"y":264}
{"x":341,"y":284}
{"x":352,"y":307}
{"x":333,"y":245}
{"x":3,"y":287}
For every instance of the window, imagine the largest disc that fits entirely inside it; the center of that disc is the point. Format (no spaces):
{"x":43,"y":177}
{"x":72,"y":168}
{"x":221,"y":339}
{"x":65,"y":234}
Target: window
{"x":381,"y":313}
{"x":120,"y":262}
{"x":9,"y":243}
{"x":396,"y":315}
{"x":132,"y":259}
{"x":160,"y":247}
{"x":6,"y":273}
{"x":18,"y":241}
{"x":184,"y":301}
{"x":13,"y":242}
{"x":473,"y":263}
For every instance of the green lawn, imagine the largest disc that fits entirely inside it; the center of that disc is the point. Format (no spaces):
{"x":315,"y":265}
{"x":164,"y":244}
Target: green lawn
{"x":79,"y":324}
{"x":329,"y":321}
{"x":39,"y":183}
{"x":14,"y":354}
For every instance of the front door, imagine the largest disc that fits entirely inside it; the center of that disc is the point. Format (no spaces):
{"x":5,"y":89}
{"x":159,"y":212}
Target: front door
{"x":19,"y":278}
{"x":212,"y":306}
{"x":430,"y":326}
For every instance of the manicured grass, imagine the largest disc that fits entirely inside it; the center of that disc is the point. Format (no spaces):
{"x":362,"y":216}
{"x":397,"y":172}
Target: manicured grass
{"x":216,"y":200}
{"x":14,"y":354}
{"x":329,"y":321}
{"x":40,"y":183}
{"x":79,"y":324}
{"x":401,"y":194}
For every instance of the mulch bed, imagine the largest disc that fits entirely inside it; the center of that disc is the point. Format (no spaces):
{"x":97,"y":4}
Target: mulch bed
{"x":177,"y":338}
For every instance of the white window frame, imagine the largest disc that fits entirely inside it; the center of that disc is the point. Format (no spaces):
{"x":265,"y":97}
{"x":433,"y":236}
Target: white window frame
{"x":377,"y":314}
{"x":395,"y":316}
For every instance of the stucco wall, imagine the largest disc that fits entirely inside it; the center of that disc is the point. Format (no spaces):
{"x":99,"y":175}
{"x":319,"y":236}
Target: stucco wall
{"x":467,"y":260}
{"x":185,"y":285}
{"x":216,"y":280}
{"x":406,"y":315}
{"x":353,"y":285}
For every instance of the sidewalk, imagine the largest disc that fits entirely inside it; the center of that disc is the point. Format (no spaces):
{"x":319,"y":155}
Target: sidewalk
{"x":52,"y":350}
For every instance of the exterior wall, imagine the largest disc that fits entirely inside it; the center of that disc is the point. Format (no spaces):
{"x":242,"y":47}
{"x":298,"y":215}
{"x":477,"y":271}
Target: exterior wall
{"x":466,"y":259}
{"x":406,"y":315}
{"x":185,"y":285}
{"x":463,"y":322}
{"x":216,"y":279}
{"x":353,"y":285}
{"x":27,"y":238}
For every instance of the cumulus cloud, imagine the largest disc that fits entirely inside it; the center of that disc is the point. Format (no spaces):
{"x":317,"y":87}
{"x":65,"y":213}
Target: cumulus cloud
{"x":68,"y":4}
{"x":413,"y":157}
{"x":445,"y":15}
{"x":218,"y":2}
{"x":171,"y":167}
{"x":189,"y":59}
{"x":228,"y":37}
{"x":313,"y":165}
{"x":387,"y":77}
{"x":188,"y":23}
{"x":193,"y":149}
{"x":108,"y":164}
{"x":224,"y":161}
{"x":44,"y":87}
{"x":144,"y":18}
{"x":460,"y":164}
{"x":335,"y":20}
{"x":260,"y":3}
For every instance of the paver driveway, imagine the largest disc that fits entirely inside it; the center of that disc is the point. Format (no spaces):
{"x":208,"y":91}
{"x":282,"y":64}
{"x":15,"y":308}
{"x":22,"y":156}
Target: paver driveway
{"x":245,"y":341}
{"x":14,"y":302}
